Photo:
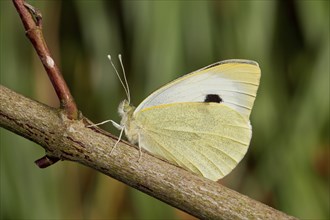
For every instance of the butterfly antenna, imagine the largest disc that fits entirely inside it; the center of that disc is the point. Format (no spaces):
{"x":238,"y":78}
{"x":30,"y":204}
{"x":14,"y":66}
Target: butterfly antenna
{"x":126,"y":82}
{"x":121,"y":81}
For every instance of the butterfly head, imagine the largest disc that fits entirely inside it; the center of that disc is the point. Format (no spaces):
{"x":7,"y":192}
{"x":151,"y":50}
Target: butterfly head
{"x":125,"y":109}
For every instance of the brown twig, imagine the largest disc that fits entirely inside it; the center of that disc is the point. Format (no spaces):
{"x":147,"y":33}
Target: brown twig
{"x":72,"y":140}
{"x":32,"y":21}
{"x":46,"y":161}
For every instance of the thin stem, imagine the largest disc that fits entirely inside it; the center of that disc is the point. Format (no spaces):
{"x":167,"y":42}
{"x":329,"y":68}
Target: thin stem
{"x":46,"y":161}
{"x":32,"y":21}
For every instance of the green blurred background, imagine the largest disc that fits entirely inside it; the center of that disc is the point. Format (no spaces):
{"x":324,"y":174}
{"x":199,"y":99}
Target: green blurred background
{"x":287,"y":165}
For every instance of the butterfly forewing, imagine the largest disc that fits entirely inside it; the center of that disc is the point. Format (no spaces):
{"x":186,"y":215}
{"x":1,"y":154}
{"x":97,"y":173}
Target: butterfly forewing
{"x":234,"y":81}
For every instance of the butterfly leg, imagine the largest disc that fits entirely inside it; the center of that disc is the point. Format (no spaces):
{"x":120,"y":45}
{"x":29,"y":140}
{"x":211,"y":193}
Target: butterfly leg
{"x":115,"y":124}
{"x":140,"y":149}
{"x":119,"y":138}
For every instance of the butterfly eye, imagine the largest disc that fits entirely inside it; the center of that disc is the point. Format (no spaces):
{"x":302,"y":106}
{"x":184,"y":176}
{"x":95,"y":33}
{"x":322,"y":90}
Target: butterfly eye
{"x":213,"y":98}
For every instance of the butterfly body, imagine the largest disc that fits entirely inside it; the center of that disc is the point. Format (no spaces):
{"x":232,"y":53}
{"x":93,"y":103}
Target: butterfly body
{"x":128,"y":122}
{"x":199,"y":121}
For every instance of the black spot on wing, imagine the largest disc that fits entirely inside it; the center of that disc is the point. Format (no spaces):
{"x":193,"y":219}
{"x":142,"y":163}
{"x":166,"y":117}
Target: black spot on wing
{"x":213,"y":98}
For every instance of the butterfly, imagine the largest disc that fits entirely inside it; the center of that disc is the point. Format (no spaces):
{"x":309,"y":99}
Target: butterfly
{"x":199,"y":121}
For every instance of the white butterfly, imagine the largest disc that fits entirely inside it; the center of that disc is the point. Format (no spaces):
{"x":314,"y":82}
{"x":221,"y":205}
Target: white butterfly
{"x":199,"y":121}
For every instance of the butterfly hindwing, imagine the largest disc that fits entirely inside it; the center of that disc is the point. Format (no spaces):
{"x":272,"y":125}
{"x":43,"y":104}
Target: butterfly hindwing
{"x":206,"y":138}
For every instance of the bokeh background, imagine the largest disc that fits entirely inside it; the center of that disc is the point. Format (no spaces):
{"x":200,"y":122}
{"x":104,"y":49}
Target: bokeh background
{"x":287,"y":165}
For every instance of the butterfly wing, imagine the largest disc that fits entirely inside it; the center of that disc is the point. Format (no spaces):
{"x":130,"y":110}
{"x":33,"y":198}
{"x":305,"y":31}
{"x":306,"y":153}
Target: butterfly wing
{"x":206,"y":138}
{"x":233,"y":82}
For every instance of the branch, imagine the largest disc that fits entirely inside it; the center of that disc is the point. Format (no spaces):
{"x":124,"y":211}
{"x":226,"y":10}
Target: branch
{"x":73,"y":141}
{"x":33,"y":30}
